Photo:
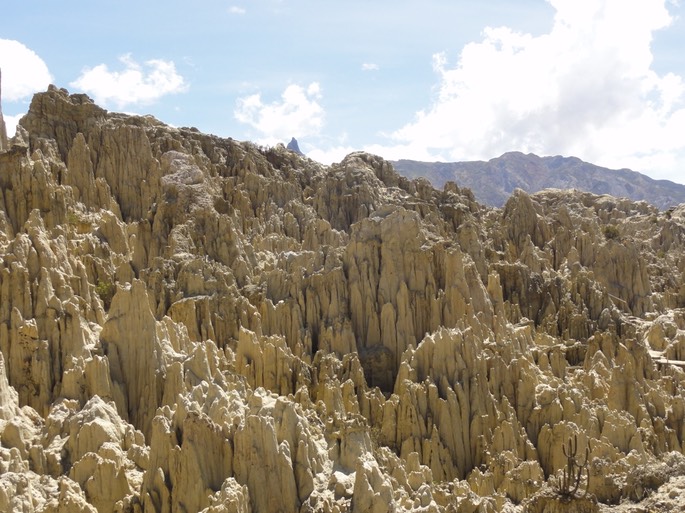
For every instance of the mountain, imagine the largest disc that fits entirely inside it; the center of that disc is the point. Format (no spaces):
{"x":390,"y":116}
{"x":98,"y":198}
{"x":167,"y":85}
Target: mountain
{"x":196,"y":324}
{"x":492,"y":182}
{"x":293,"y":146}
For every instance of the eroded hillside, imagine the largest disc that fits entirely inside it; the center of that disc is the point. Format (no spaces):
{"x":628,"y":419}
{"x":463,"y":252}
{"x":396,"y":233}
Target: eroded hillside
{"x":190,"y":323}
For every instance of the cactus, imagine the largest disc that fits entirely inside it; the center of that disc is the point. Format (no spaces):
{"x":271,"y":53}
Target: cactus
{"x":572,"y":475}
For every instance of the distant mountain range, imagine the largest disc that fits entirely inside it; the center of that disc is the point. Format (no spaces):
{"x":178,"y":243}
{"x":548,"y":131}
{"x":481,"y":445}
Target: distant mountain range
{"x":492,"y":182}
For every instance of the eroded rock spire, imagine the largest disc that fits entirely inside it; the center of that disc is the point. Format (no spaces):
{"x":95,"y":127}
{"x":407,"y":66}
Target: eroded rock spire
{"x":192,"y":323}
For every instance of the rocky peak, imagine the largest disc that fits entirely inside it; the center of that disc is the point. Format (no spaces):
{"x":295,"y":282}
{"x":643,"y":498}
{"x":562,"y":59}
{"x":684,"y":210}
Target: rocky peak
{"x":293,"y":146}
{"x":58,"y":116}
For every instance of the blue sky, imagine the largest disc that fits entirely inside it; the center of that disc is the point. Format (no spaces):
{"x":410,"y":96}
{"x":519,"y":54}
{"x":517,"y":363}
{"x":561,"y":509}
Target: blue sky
{"x":603,"y":80}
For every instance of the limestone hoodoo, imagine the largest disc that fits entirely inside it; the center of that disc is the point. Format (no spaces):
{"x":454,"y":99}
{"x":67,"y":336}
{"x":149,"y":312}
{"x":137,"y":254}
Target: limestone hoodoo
{"x":191,"y":323}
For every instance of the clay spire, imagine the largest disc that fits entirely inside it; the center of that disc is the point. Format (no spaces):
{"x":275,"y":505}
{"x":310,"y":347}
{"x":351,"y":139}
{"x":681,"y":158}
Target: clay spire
{"x":3,"y":130}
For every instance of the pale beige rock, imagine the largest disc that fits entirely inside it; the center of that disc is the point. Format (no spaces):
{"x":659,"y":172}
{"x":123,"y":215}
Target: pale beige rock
{"x":232,"y":498}
{"x":8,"y":396}
{"x":69,"y":499}
{"x":372,"y":490}
{"x":547,"y":501}
{"x":190,"y":323}
{"x":137,"y":347}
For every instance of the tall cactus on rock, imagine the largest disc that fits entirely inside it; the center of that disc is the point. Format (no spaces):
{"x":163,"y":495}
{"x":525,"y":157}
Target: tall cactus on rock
{"x":572,"y":475}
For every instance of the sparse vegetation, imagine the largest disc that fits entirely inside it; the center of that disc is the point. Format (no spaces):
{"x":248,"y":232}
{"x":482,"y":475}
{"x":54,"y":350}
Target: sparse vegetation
{"x":644,"y":480}
{"x":78,"y":221}
{"x":72,"y":218}
{"x":572,"y":475}
{"x":106,"y":291}
{"x":611,"y":232}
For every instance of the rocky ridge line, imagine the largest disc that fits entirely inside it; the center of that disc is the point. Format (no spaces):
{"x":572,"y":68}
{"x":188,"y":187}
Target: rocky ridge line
{"x":492,"y":182}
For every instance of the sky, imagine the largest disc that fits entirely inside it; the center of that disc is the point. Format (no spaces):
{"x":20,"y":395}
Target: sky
{"x":435,"y":80}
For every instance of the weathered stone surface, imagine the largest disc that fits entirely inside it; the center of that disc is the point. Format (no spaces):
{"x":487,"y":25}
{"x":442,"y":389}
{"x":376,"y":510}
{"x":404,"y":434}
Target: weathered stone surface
{"x":190,"y":323}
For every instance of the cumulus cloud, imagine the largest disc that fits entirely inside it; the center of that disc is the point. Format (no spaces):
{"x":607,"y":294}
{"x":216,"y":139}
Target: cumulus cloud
{"x":135,"y":84}
{"x":586,"y":88}
{"x":235,"y":9}
{"x":23,"y":72}
{"x":11,"y":123}
{"x":298,"y":113}
{"x":370,"y":66}
{"x":330,"y":155}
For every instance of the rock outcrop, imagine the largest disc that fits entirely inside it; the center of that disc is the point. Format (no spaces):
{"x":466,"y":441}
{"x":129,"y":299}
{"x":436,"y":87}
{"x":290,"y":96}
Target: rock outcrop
{"x":190,"y":323}
{"x":293,"y":146}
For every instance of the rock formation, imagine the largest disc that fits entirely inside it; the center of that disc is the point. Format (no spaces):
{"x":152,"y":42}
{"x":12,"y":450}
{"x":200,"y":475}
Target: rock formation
{"x":190,"y":323}
{"x":293,"y":146}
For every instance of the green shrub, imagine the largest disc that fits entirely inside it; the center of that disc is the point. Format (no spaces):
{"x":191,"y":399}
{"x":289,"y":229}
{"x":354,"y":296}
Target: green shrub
{"x":72,"y":218}
{"x":106,"y":291}
{"x":611,"y":232}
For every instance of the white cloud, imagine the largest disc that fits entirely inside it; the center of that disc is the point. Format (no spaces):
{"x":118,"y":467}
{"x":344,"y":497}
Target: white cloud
{"x":135,"y":84}
{"x":370,"y":66}
{"x":586,"y":89}
{"x":11,"y":123}
{"x":23,"y":72}
{"x":298,"y":114}
{"x":235,"y":9}
{"x":330,"y":155}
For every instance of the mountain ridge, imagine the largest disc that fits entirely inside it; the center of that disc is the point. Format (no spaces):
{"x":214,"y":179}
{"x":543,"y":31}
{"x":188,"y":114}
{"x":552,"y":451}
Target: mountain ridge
{"x":493,"y":181}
